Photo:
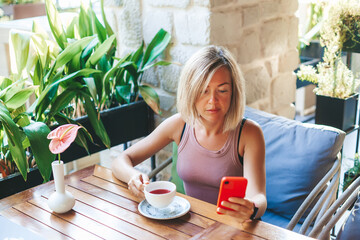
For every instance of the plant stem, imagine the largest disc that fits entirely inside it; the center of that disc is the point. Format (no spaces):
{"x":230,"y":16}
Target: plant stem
{"x":59,"y":157}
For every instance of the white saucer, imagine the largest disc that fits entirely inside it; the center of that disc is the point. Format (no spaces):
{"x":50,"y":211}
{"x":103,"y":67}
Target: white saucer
{"x":179,"y":207}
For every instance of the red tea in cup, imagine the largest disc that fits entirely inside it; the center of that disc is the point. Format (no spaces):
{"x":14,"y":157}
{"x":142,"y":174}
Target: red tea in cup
{"x":160,"y":191}
{"x":160,"y":194}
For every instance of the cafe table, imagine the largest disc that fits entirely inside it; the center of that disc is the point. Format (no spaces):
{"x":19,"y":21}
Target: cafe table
{"x":105,"y":209}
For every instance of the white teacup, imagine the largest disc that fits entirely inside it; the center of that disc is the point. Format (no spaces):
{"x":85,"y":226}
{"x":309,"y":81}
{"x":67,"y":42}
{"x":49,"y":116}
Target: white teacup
{"x":160,"y":193}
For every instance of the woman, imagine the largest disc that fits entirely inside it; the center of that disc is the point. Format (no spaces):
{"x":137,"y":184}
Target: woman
{"x":213,"y":138}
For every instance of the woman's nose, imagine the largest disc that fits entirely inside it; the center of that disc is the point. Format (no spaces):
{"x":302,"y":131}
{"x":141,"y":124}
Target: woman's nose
{"x":213,"y":98}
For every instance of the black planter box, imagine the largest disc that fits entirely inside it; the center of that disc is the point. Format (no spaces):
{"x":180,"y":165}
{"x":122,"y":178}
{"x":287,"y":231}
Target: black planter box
{"x":15,"y":183}
{"x":336,"y":112}
{"x":122,"y":123}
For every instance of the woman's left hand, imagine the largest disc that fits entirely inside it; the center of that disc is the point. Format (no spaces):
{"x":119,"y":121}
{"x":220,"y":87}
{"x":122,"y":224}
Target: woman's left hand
{"x":242,"y":208}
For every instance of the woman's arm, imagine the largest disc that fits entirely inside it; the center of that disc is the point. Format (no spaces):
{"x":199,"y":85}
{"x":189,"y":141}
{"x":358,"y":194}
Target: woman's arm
{"x":254,"y":166}
{"x":252,"y":148}
{"x":123,"y":166}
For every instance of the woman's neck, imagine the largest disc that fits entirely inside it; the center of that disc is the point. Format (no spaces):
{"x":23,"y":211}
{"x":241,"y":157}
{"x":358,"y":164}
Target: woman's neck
{"x":209,"y":128}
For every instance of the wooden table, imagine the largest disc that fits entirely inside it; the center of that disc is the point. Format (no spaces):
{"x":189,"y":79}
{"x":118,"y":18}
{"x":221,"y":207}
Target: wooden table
{"x":105,"y":209}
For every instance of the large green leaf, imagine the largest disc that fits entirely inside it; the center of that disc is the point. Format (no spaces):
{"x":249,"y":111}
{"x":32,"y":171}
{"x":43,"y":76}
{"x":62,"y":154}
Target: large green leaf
{"x":159,"y":63}
{"x":124,"y":92}
{"x":12,"y":89}
{"x":49,"y":90}
{"x":72,"y":50}
{"x":99,"y":29}
{"x":85,"y":22}
{"x":62,"y":101}
{"x":19,"y":50}
{"x":96,"y":122}
{"x":150,"y":97}
{"x":4,"y":83}
{"x":14,"y":141}
{"x":20,"y":97}
{"x":137,"y":56}
{"x":157,"y":45}
{"x":90,"y":83}
{"x":55,"y":24}
{"x":107,"y":25}
{"x":37,"y":134}
{"x":100,"y":51}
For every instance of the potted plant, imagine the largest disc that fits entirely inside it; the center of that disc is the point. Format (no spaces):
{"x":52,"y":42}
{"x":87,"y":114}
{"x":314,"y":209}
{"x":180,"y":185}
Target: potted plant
{"x":80,"y":71}
{"x":112,"y":81}
{"x":336,"y":93}
{"x":341,"y":29}
{"x":337,"y":86}
{"x":85,"y":76}
{"x":22,"y":140}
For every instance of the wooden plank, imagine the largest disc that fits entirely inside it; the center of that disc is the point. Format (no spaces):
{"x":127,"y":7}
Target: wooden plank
{"x":173,"y":229}
{"x":96,"y":227}
{"x":55,"y":222}
{"x":222,"y":231}
{"x":101,"y":183}
{"x":38,"y":190}
{"x":106,"y":174}
{"x":32,"y":224}
{"x":119,"y":200}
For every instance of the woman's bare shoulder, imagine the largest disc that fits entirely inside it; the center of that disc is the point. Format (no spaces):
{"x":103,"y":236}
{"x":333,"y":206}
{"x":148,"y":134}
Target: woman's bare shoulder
{"x":173,"y":126}
{"x":252,"y":128}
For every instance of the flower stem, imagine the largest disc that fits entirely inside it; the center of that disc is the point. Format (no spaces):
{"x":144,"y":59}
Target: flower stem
{"x":59,"y":157}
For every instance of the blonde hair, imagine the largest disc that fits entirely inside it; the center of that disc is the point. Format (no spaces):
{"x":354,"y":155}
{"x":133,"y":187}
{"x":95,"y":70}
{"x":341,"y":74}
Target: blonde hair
{"x":195,"y":77}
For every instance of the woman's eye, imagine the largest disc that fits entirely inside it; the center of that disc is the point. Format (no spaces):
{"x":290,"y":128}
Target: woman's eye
{"x":223,"y":90}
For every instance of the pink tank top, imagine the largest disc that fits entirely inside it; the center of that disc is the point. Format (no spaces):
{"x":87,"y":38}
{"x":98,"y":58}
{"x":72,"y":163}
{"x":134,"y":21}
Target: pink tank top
{"x":201,"y":169}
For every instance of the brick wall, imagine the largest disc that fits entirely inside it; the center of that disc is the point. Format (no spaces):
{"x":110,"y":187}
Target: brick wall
{"x":263,"y":35}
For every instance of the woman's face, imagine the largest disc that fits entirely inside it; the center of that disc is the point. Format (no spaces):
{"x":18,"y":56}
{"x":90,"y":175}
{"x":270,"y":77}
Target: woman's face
{"x":214,"y":102}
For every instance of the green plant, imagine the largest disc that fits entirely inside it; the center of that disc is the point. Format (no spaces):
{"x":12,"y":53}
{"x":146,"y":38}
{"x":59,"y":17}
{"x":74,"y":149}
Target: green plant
{"x":89,"y":70}
{"x":333,"y":79}
{"x":352,"y":173}
{"x":81,"y":72}
{"x":341,"y":25}
{"x":77,"y":70}
{"x":332,"y":76}
{"x":19,"y":135}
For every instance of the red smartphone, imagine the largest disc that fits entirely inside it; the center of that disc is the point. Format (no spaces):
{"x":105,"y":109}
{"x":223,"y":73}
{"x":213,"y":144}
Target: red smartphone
{"x":231,"y":187}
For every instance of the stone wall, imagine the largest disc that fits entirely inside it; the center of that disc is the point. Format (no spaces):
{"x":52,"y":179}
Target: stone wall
{"x":262,"y":34}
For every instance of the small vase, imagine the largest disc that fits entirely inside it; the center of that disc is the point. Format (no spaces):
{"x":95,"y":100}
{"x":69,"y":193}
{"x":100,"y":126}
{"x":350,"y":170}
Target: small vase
{"x":60,"y":201}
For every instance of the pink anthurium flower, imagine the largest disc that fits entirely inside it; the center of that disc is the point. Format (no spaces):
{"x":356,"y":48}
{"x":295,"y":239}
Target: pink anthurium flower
{"x":62,"y":137}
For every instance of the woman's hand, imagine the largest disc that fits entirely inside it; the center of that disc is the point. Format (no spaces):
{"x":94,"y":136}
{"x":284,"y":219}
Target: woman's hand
{"x":137,"y":183}
{"x":242,"y":208}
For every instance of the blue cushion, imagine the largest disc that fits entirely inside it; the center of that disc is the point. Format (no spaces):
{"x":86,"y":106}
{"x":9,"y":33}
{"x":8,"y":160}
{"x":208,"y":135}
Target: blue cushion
{"x":298,"y":155}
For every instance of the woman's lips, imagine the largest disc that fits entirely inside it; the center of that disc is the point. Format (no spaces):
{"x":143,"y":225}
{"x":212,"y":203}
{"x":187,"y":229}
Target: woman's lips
{"x":212,"y":110}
